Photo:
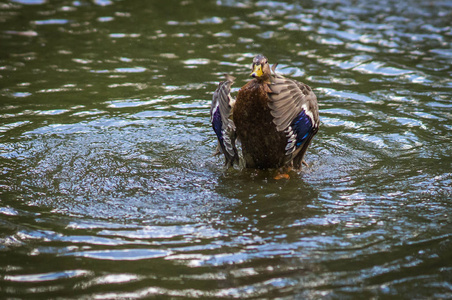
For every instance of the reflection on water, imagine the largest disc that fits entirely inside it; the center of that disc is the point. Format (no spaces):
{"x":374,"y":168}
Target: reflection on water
{"x":109,"y":188}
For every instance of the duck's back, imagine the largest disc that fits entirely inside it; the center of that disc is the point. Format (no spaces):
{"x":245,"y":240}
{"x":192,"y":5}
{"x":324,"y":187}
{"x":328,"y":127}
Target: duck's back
{"x":262,"y":145}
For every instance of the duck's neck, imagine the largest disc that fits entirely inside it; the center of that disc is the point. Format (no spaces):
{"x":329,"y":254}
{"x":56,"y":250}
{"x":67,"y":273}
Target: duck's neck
{"x":263,"y":83}
{"x":263,"y":79}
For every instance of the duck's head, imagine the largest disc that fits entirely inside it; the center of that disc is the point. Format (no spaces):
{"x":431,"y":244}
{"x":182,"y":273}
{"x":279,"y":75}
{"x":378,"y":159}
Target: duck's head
{"x":260,"y":68}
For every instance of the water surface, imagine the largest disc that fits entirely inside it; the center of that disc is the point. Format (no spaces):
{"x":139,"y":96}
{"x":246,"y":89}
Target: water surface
{"x":108,"y":184}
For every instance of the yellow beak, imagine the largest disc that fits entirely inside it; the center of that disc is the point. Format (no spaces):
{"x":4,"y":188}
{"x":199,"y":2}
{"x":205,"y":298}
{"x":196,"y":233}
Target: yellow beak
{"x":257,"y":71}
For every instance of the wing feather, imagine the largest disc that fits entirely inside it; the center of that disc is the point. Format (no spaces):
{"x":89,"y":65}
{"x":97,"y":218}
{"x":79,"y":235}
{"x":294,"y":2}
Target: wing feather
{"x":295,"y":111}
{"x":222,"y":124}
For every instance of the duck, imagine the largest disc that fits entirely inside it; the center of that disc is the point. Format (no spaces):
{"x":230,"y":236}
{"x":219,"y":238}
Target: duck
{"x":273,"y":118}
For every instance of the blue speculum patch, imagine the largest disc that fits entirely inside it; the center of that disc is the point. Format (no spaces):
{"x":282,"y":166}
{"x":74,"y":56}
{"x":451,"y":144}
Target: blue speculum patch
{"x":302,"y":126}
{"x":217,"y":124}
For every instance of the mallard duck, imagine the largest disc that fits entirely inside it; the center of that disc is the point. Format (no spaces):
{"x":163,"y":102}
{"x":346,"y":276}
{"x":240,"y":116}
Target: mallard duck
{"x":273,"y":117}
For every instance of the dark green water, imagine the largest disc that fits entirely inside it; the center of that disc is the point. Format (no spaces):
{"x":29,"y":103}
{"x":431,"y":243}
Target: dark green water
{"x":109,"y":189}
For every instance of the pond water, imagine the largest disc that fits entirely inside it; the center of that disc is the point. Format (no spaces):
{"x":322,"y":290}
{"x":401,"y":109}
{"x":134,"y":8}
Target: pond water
{"x":108,"y":186}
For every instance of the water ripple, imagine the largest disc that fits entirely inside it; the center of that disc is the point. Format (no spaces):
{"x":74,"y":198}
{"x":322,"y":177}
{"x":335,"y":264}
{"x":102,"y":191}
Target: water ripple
{"x":123,"y":254}
{"x":47,"y":276}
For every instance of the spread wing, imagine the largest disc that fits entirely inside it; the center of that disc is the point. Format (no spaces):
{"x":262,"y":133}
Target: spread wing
{"x":295,"y":111}
{"x":220,"y":111}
